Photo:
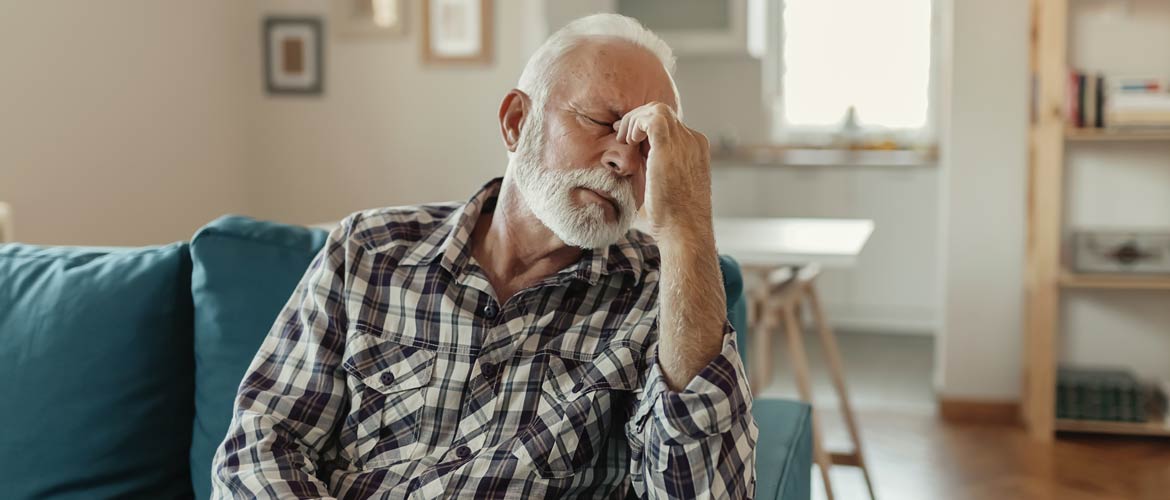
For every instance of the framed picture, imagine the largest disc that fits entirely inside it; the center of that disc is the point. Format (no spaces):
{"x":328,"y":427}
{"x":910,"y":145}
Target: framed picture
{"x":6,"y":232}
{"x":293,"y":61}
{"x":457,"y":31}
{"x":368,"y":18}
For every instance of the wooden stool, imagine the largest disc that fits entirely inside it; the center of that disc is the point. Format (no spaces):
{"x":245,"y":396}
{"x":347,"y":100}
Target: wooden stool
{"x":777,"y":303}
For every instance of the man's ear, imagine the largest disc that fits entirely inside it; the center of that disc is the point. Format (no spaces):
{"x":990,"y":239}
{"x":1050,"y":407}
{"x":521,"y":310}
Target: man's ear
{"x":513,"y":110}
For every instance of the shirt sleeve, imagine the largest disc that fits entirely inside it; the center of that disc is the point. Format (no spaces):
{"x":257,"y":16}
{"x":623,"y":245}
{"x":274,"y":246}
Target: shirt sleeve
{"x":699,"y":442}
{"x":293,"y":392}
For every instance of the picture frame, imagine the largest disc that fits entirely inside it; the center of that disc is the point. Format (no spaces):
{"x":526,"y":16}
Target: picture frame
{"x":368,"y":18}
{"x":293,"y":57}
{"x":6,"y":230}
{"x":457,"y":31}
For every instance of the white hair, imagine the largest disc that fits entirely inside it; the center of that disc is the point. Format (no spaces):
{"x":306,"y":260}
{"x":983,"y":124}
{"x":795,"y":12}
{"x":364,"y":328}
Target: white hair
{"x":539,"y":74}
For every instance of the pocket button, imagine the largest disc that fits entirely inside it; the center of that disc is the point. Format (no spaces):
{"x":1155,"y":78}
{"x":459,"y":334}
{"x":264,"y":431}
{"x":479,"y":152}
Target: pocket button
{"x":387,"y":378}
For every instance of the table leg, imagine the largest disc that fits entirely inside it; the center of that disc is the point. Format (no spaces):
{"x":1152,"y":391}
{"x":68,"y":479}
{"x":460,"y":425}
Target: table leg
{"x":836,"y":368}
{"x":800,"y":368}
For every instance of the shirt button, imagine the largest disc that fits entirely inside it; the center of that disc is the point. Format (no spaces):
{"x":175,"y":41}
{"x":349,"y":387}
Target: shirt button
{"x":490,"y":311}
{"x":388,"y":378}
{"x":489,"y":370}
{"x":462,"y":452}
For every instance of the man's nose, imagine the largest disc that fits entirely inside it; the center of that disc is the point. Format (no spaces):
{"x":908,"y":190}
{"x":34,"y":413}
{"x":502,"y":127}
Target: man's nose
{"x":623,"y":159}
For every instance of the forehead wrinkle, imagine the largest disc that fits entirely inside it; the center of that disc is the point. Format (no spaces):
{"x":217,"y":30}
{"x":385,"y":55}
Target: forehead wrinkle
{"x":592,"y":75}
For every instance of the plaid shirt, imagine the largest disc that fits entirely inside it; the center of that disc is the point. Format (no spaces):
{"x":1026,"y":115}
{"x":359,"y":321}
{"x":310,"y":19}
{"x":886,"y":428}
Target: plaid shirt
{"x":393,"y":372}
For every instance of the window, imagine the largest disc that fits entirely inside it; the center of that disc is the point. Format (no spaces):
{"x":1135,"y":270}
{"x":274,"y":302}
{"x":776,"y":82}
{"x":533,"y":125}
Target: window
{"x":873,"y":57}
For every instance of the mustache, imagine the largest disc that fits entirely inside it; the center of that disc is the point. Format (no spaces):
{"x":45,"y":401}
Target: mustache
{"x":619,"y":189}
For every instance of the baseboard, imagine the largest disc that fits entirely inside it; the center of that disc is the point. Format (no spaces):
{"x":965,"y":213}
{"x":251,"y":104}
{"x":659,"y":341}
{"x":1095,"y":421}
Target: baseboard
{"x":979,"y":411}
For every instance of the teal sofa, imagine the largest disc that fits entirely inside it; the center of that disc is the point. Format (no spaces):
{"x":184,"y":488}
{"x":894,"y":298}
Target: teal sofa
{"x":118,"y":366}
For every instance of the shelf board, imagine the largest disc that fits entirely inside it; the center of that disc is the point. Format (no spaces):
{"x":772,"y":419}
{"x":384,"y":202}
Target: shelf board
{"x":1070,"y":279}
{"x":774,"y":155}
{"x":1103,"y":427}
{"x":1106,"y":135}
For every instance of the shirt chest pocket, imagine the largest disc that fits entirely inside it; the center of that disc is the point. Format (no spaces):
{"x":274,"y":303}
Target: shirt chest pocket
{"x":388,"y":384}
{"x":582,"y":405}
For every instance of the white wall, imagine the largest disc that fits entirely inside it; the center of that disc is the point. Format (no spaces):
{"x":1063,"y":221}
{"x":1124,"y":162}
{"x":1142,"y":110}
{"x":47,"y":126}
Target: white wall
{"x":136,"y":122}
{"x":176,"y":129}
{"x":121,"y":122}
{"x":982,"y":193}
{"x":387,"y":130}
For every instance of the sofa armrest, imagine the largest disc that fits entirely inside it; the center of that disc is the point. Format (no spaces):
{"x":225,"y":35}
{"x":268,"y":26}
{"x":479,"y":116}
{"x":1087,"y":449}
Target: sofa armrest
{"x":784,"y":449}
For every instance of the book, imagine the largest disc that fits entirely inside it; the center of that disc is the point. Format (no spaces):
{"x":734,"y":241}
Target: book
{"x":1080,"y":100}
{"x":1099,"y":102}
{"x":1088,"y":102}
{"x":1140,"y":102}
{"x":1137,"y":84}
{"x":1074,"y":102}
{"x":1099,"y":394}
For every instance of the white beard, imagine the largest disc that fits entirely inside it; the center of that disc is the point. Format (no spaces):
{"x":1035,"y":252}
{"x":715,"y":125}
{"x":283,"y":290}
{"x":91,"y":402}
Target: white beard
{"x":548,"y":193}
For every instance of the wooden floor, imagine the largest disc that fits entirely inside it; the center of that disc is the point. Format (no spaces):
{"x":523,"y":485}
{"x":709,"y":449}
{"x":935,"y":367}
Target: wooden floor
{"x":915,"y":456}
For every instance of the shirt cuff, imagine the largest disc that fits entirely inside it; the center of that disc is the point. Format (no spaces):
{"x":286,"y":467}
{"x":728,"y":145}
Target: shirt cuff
{"x":710,"y":404}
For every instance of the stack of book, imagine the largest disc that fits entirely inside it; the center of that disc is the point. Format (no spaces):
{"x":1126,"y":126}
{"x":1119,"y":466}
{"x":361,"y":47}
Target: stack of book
{"x":1097,"y":101}
{"x":1099,"y":394}
{"x":1161,"y":397}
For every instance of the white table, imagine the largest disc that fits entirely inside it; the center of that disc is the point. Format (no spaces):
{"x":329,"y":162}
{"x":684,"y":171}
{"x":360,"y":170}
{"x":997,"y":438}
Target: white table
{"x":787,"y":255}
{"x":776,"y":242}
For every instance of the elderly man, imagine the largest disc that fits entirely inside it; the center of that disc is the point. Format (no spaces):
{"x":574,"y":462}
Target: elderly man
{"x":526,"y":343}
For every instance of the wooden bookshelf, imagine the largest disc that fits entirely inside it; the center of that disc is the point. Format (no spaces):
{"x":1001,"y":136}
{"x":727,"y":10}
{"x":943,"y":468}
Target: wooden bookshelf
{"x":1116,"y":281}
{"x":1046,"y":279}
{"x":1153,"y":428}
{"x":1113,"y":135}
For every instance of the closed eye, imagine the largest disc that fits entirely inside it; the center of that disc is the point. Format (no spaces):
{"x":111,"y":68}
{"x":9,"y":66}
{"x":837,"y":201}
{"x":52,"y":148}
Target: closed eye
{"x":597,"y":122}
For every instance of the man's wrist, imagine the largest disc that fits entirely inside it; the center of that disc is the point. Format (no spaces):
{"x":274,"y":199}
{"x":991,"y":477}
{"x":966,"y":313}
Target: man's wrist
{"x":686,"y":232}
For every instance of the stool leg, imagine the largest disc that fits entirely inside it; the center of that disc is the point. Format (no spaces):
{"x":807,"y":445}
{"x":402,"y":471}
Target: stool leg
{"x":833,"y":356}
{"x":800,"y":368}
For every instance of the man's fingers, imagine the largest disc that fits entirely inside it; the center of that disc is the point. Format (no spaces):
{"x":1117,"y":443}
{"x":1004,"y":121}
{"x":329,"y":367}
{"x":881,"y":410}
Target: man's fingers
{"x":635,"y":126}
{"x":619,"y":128}
{"x":628,"y":137}
{"x":645,"y":124}
{"x":638,"y":133}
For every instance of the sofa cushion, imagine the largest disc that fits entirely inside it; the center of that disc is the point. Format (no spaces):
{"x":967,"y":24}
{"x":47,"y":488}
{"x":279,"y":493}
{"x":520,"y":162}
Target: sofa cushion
{"x":244,"y":272}
{"x":95,"y":372}
{"x":784,"y":449}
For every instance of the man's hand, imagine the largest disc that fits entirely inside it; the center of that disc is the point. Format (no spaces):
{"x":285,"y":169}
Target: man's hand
{"x":692,"y":307}
{"x":678,"y":168}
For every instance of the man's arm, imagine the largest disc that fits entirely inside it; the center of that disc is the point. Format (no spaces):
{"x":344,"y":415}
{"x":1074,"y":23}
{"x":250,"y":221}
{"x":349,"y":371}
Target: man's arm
{"x":293,"y":392}
{"x":693,"y":424}
{"x":691,"y":302}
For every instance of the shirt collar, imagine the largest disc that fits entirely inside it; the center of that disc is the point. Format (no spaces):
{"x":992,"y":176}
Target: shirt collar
{"x":449,"y":245}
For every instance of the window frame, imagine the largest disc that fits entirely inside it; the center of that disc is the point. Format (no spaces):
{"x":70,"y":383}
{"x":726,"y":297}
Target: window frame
{"x":772,"y":61}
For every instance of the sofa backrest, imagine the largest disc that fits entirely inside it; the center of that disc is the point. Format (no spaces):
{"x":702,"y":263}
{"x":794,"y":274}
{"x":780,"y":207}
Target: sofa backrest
{"x":244,"y":272}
